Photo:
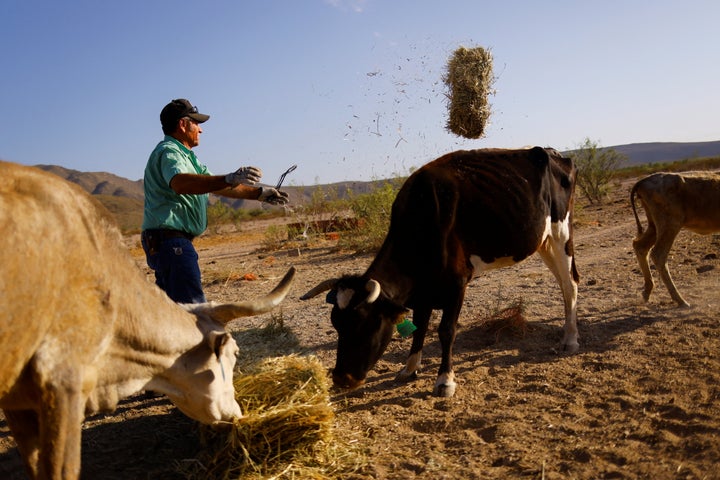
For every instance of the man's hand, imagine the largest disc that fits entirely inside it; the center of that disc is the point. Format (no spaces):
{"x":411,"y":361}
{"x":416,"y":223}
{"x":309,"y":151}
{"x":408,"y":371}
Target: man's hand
{"x":273,"y":196}
{"x":244,"y":176}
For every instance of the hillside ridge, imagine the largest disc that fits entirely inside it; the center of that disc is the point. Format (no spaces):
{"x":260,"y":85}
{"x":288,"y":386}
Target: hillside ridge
{"x":104,"y":183}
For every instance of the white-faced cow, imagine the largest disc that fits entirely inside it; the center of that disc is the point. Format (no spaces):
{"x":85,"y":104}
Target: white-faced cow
{"x":454,"y":218}
{"x":672,"y":201}
{"x":82,"y":328}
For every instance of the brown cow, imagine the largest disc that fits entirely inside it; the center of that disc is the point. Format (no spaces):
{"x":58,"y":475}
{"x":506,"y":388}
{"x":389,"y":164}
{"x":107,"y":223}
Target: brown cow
{"x":82,"y":328}
{"x":672,"y":201}
{"x":456,"y":217}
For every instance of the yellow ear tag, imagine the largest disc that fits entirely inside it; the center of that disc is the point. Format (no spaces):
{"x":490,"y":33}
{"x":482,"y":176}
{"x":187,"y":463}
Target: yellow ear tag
{"x":406,"y":328}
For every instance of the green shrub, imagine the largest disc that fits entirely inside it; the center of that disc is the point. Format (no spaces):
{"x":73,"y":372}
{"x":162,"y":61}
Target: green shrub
{"x":372,"y":211}
{"x":596,"y":169}
{"x":275,"y":236}
{"x":219,"y":213}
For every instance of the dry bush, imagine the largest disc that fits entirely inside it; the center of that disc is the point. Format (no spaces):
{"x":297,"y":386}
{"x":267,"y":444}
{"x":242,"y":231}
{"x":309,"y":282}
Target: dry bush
{"x":508,"y":320}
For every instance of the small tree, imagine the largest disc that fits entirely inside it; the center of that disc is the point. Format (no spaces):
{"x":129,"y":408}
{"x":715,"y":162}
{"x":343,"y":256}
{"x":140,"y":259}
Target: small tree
{"x":373,"y":211}
{"x":596,"y":167}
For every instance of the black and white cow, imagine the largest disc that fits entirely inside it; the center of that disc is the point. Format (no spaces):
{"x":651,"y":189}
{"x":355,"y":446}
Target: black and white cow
{"x":453,"y":219}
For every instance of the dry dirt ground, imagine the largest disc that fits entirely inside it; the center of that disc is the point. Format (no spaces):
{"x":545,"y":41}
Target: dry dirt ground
{"x":640,"y":400}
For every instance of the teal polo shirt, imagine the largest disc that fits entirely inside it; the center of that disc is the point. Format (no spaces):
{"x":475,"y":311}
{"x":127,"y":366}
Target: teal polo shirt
{"x":163,"y":207}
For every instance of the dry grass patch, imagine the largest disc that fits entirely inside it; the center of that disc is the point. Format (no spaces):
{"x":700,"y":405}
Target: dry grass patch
{"x":507,"y":321}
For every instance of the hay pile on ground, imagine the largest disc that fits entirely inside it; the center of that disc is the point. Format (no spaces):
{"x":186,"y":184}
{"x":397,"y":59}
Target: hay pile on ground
{"x":286,"y":430}
{"x":469,"y":79}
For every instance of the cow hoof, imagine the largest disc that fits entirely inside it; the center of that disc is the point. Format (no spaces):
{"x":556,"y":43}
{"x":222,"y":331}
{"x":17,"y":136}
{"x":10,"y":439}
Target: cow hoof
{"x":445,"y":390}
{"x":571,"y":347}
{"x":405,"y":376}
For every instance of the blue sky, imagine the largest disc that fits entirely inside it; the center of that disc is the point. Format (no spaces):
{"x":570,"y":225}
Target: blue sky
{"x":346,"y":89}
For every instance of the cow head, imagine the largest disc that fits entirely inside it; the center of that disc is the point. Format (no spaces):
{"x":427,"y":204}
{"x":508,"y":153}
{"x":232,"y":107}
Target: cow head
{"x":203,"y":378}
{"x":200,"y":381}
{"x":364,"y":319}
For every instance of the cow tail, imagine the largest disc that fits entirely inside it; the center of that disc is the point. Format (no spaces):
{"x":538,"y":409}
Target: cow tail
{"x":633,"y":192}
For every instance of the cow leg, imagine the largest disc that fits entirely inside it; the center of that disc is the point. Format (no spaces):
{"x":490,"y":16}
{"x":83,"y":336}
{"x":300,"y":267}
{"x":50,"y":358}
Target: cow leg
{"x":25,"y":430}
{"x":554,"y":254}
{"x":445,"y":384}
{"x":421,"y":319}
{"x":659,"y":256}
{"x":61,"y":417}
{"x":642,"y":245}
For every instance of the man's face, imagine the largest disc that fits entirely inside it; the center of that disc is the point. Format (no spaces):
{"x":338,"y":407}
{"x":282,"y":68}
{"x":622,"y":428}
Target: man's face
{"x":189,"y":132}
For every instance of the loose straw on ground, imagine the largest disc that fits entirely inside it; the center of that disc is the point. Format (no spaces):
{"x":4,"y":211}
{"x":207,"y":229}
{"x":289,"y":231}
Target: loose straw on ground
{"x":469,"y":79}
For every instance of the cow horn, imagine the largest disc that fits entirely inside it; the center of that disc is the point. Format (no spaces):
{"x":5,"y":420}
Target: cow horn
{"x":230,"y":311}
{"x":373,"y":287}
{"x":322,"y":287}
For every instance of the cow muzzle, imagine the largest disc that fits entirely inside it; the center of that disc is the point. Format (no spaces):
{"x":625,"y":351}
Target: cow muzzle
{"x":345,"y":380}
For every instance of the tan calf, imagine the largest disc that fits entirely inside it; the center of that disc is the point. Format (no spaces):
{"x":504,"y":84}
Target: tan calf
{"x":672,"y":202}
{"x":82,"y":328}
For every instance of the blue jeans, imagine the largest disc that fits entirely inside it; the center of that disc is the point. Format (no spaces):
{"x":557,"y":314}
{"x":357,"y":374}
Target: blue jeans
{"x":176,"y":269}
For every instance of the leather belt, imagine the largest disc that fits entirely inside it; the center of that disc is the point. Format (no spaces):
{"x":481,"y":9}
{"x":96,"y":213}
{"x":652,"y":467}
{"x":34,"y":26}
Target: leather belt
{"x":166,"y":233}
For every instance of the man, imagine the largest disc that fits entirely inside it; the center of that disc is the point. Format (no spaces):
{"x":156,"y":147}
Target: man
{"x":176,"y":198}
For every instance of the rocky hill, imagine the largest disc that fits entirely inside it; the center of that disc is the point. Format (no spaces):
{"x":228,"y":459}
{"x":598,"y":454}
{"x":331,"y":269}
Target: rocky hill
{"x":108,"y":184}
{"x":124,"y":197}
{"x":103,"y":183}
{"x":661,"y":152}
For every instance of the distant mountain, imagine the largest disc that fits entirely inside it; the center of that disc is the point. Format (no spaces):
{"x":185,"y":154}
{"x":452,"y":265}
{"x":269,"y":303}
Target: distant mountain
{"x":99,"y":183}
{"x":106,"y":184}
{"x":102,"y":183}
{"x":662,"y":152}
{"x":125,"y":197}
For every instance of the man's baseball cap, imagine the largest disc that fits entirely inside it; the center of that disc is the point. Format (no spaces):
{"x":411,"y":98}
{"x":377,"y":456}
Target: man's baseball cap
{"x":177,"y":109}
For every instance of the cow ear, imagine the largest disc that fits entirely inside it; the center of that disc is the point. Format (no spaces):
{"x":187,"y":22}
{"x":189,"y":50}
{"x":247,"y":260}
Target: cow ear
{"x":540,"y":156}
{"x":343,"y":297}
{"x":216,"y":341}
{"x":331,"y":297}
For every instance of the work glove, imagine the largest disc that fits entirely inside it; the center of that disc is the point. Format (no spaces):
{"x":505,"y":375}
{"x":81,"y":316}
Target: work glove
{"x":273,"y":196}
{"x":244,"y":176}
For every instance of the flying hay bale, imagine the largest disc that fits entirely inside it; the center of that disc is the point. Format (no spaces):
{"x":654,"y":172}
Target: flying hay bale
{"x":286,"y":430}
{"x":469,"y":79}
